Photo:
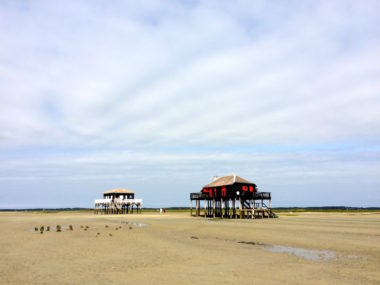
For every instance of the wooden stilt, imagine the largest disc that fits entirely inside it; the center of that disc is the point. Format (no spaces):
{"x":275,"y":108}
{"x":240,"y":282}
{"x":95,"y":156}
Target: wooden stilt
{"x":221,"y":205}
{"x":234,"y":208}
{"x":240,"y":208}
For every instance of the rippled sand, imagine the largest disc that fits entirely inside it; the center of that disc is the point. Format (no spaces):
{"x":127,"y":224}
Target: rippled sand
{"x":308,"y":248}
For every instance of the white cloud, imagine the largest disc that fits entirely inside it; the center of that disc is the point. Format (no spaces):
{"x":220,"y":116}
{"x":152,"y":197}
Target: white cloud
{"x":208,"y":74}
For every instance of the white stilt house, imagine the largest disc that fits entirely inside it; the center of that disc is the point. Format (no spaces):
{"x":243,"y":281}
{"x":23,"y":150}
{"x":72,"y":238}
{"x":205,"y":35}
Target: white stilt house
{"x":118,"y":201}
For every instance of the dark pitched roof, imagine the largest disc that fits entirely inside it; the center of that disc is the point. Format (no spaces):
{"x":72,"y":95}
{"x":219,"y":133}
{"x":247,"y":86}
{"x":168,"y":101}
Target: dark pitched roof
{"x":227,"y":180}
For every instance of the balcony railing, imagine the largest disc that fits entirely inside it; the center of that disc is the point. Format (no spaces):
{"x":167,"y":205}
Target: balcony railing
{"x":118,"y":201}
{"x":244,"y":195}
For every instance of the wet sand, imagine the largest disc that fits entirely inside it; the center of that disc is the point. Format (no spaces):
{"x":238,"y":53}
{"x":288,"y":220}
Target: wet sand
{"x":173,"y":248}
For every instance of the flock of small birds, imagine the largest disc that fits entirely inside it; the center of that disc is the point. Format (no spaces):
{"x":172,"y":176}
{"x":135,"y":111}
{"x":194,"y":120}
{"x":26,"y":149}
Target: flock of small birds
{"x":58,"y":229}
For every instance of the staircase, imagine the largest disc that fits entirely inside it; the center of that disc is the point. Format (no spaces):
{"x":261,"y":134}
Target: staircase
{"x":254,"y":210}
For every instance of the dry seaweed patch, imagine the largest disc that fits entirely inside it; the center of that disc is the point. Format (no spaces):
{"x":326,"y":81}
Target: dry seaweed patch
{"x":250,"y":242}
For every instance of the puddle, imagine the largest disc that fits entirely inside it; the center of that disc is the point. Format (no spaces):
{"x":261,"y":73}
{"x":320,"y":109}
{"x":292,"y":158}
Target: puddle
{"x":309,"y":254}
{"x":135,"y":224}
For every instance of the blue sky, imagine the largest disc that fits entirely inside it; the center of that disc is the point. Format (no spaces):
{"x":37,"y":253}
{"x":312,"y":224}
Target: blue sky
{"x":160,"y":96}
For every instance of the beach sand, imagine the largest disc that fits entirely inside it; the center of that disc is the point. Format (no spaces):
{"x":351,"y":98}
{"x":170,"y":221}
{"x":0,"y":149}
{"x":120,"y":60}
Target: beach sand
{"x":174,"y":248}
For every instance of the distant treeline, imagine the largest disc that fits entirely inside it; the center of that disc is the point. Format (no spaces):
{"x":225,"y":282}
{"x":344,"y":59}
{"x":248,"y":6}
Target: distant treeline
{"x":326,"y":208}
{"x":45,"y":209}
{"x":179,"y":209}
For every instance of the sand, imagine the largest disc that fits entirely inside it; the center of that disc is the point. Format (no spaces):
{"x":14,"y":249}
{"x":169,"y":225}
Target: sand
{"x":174,"y":248}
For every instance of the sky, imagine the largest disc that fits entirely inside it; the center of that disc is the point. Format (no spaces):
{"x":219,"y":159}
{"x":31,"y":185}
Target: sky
{"x":160,"y":96}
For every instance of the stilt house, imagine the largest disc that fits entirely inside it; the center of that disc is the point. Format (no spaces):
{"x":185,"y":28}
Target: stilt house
{"x":118,"y":201}
{"x":231,"y":197}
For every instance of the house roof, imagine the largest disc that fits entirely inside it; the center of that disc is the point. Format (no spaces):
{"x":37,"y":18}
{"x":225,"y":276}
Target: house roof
{"x":119,"y":191}
{"x":227,"y":180}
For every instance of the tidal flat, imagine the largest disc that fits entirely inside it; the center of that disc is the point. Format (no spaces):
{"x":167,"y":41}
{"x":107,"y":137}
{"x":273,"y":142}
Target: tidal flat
{"x":174,"y":248}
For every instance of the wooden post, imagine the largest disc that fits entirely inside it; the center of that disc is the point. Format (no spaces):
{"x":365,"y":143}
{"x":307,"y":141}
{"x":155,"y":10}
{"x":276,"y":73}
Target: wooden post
{"x":270,"y":204}
{"x":204,"y":205}
{"x":191,"y":207}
